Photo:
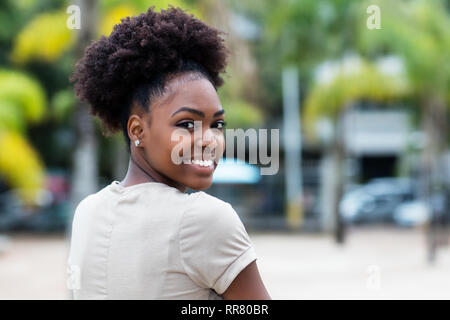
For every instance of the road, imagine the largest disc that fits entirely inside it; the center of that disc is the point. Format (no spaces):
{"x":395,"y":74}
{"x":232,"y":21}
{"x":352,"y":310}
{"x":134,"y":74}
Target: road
{"x":375,"y":263}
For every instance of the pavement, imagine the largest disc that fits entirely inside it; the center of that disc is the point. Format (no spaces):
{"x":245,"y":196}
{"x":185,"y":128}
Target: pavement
{"x":374,"y":263}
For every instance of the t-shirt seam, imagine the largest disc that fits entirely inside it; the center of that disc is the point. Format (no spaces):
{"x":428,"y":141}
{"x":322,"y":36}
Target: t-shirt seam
{"x":179,"y":244}
{"x":109,"y":247}
{"x":125,"y":190}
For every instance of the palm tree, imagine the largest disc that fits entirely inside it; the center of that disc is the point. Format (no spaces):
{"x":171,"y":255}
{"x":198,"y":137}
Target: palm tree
{"x":330,"y":100}
{"x":308,"y":32}
{"x":416,"y":31}
{"x":419,"y":33}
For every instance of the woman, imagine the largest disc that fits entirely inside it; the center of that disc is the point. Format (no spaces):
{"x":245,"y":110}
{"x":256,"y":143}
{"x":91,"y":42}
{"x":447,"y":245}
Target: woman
{"x":144,"y":237}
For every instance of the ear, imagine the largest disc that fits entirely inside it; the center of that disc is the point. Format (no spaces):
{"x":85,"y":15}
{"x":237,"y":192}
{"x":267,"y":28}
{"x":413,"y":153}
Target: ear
{"x":136,"y":128}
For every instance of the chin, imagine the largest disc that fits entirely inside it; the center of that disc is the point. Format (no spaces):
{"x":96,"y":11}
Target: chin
{"x":200,"y":184}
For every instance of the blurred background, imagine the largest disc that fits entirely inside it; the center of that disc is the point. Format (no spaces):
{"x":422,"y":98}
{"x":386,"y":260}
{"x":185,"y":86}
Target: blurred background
{"x":360,"y":206}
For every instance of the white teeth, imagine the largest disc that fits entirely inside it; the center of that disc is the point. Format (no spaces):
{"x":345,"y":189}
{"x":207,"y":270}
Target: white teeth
{"x":203,"y":163}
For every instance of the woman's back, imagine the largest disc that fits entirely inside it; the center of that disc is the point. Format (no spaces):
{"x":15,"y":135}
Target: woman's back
{"x":152,"y":241}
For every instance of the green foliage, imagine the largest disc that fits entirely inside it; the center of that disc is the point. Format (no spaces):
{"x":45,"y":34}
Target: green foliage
{"x":22,"y":100}
{"x":142,"y":5}
{"x":115,"y":10}
{"x":11,"y":117}
{"x":20,"y":166}
{"x":310,"y":31}
{"x":63,"y":104}
{"x":241,"y":114}
{"x":419,"y":32}
{"x":365,"y":83}
{"x":24,"y":93}
{"x":46,"y":37}
{"x":113,"y":15}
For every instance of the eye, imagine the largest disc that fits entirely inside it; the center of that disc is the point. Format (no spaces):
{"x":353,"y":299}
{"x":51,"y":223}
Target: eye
{"x":220,"y":124}
{"x":186,"y":124}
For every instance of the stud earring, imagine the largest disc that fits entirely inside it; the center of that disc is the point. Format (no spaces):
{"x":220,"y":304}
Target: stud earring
{"x":137,"y":142}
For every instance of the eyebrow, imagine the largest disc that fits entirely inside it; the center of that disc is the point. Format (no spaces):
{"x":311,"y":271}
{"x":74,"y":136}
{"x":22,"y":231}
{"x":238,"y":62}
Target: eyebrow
{"x":197,"y":112}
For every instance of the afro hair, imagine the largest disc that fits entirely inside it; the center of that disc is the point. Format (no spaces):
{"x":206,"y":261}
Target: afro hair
{"x":134,"y":62}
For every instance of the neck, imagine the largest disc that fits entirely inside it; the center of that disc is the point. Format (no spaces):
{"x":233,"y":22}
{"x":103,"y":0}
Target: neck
{"x":140,"y":172}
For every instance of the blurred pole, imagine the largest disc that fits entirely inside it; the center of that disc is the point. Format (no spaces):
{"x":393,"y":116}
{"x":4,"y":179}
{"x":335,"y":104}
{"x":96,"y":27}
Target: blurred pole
{"x":292,"y":147}
{"x":84,"y":171}
{"x":434,"y":183}
{"x":327,"y":176}
{"x":332,"y":178}
{"x":338,"y":154}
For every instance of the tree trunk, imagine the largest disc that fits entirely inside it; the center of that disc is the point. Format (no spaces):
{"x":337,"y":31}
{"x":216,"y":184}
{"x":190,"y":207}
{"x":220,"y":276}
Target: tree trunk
{"x":434,"y":184}
{"x":339,"y":156}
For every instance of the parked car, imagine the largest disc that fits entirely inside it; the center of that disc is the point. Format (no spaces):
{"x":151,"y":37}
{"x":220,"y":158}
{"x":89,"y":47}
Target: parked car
{"x":376,"y":201}
{"x":412,"y":213}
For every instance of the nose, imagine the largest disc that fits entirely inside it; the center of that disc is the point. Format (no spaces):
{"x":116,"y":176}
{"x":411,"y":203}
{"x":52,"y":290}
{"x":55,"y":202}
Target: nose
{"x":208,"y":143}
{"x":209,"y":138}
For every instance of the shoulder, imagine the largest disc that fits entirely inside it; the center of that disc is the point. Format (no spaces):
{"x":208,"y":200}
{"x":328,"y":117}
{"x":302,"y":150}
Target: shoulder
{"x":213,"y":222}
{"x":207,"y":209}
{"x":86,"y":202}
{"x":214,"y":245}
{"x":202,"y":200}
{"x":92,"y":201}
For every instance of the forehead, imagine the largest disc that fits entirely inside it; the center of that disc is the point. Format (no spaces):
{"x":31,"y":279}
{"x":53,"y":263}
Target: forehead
{"x":197,"y":93}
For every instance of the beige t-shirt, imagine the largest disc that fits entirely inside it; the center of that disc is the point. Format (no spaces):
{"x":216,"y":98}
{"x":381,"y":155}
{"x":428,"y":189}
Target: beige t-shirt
{"x":152,"y":241}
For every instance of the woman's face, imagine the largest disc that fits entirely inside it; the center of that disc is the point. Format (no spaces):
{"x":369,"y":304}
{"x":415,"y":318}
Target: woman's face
{"x":173,"y":144}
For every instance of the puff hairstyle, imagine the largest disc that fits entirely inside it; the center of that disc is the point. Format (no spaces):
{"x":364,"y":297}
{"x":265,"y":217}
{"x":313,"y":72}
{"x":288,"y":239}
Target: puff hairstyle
{"x":133,"y":64}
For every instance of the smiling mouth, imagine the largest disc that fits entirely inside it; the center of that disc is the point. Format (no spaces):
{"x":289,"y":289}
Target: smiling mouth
{"x":201,"y":163}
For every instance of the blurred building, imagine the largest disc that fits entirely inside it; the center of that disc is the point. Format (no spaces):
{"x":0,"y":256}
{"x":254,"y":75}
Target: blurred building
{"x":375,"y":139}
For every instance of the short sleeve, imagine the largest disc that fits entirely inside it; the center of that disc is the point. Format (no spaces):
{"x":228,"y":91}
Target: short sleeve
{"x":214,"y":245}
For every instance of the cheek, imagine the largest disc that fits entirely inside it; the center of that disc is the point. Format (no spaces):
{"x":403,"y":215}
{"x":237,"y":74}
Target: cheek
{"x":181,"y":146}
{"x":221,"y":142}
{"x":159,"y":147}
{"x":220,"y":148}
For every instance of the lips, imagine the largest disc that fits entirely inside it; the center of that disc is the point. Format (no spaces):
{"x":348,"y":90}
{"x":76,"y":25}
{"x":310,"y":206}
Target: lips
{"x":201,"y":166}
